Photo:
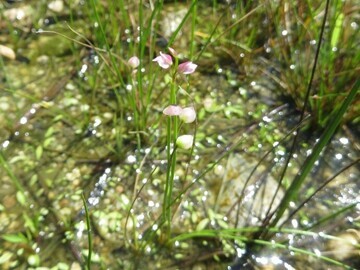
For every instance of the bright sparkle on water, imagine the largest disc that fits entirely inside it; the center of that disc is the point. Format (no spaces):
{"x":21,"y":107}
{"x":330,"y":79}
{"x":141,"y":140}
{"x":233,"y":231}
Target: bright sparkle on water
{"x":83,"y":68}
{"x":317,"y":252}
{"x":80,"y":229}
{"x":23,"y":120}
{"x":6,"y":144}
{"x":344,"y":140}
{"x":338,"y":156}
{"x":266,"y":119}
{"x":354,"y":25}
{"x":97,"y":122}
{"x":288,"y":266}
{"x":294,"y":223}
{"x":151,"y":204}
{"x":131,"y":159}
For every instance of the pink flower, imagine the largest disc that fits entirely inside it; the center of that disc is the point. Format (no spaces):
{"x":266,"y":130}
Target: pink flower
{"x":188,"y":115}
{"x":134,"y":62}
{"x":164,"y":60}
{"x":172,"y":110}
{"x":187,"y":67}
{"x":185,"y":141}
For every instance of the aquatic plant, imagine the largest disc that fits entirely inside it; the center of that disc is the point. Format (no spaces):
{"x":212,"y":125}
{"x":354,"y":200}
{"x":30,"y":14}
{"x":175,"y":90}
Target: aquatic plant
{"x":134,"y":159}
{"x":187,"y":115}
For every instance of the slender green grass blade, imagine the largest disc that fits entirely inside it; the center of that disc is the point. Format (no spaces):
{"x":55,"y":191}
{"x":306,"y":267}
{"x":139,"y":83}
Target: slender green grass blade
{"x":190,"y":11}
{"x":87,"y":216}
{"x":309,"y":162}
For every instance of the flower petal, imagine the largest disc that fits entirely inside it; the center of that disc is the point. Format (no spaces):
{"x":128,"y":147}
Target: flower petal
{"x":172,"y":110}
{"x":188,"y":115}
{"x":164,"y":60}
{"x":187,"y":67}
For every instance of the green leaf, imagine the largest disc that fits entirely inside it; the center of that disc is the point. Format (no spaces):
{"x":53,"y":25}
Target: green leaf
{"x":337,"y":30}
{"x":21,"y":198}
{"x":15,"y":238}
{"x":38,"y":152}
{"x":202,"y":224}
{"x":29,"y":223}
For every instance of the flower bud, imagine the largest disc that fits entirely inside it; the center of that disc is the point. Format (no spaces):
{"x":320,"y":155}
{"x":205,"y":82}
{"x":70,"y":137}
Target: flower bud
{"x":134,"y":62}
{"x":185,"y":141}
{"x":173,"y":52}
{"x":188,"y":115}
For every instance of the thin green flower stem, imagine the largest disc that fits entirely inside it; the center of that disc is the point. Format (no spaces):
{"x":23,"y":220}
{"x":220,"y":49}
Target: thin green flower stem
{"x":142,"y":44}
{"x":172,"y":133}
{"x":166,"y":209}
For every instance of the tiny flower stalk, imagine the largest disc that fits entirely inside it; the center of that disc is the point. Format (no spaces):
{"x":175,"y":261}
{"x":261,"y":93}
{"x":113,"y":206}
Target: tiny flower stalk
{"x":136,"y":99}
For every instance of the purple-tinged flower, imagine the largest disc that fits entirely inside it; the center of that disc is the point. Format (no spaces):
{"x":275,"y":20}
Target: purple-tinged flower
{"x":172,"y":110}
{"x":185,"y":141}
{"x":134,"y":62}
{"x":164,"y":60}
{"x":187,"y":67}
{"x":188,"y":115}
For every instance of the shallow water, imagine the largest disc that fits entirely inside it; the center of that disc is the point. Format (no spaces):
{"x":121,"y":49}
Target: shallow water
{"x":60,"y":138}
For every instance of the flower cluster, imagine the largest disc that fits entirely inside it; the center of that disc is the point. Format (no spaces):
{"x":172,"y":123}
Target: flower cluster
{"x":165,"y":61}
{"x":187,"y":114}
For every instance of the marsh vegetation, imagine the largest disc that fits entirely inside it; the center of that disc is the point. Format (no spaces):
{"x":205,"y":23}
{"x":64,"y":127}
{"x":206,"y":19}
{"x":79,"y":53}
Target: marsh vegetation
{"x":179,"y":134}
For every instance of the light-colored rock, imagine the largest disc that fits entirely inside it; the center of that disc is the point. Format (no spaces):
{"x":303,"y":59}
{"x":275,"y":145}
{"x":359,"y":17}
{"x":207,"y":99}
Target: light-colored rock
{"x":7,"y":52}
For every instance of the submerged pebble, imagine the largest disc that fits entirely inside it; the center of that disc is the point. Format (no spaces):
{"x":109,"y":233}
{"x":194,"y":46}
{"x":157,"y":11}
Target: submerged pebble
{"x":7,"y":52}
